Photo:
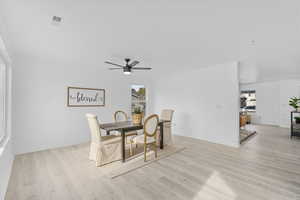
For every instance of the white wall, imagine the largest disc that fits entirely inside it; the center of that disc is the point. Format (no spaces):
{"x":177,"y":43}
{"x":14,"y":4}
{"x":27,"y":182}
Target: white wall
{"x":41,"y":118}
{"x":43,"y":121}
{"x":288,"y":89}
{"x":206,"y":102}
{"x":272,"y":101}
{"x":267,"y":95}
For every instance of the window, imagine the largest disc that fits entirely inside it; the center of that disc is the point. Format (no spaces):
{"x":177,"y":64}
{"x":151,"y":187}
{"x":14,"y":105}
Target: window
{"x":248,"y":100}
{"x":138,"y":98}
{"x":3,"y":110}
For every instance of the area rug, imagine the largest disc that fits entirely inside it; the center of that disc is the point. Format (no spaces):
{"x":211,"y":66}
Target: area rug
{"x":132,"y":163}
{"x":246,"y":134}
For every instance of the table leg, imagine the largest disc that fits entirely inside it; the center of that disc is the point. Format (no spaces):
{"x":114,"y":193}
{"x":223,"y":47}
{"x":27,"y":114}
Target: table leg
{"x":123,"y":145}
{"x":161,"y":127}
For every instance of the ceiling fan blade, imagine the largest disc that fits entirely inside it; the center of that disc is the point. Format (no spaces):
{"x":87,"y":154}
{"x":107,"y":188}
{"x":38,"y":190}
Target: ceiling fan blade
{"x":141,"y":68}
{"x":134,"y":63}
{"x":107,"y":62}
{"x":114,"y":68}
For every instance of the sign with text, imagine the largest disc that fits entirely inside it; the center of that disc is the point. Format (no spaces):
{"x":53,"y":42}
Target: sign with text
{"x":81,"y":97}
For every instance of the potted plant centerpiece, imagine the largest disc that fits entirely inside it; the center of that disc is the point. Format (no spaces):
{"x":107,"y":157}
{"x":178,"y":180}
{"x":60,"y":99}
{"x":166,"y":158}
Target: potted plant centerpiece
{"x":137,"y":115}
{"x":294,"y":102}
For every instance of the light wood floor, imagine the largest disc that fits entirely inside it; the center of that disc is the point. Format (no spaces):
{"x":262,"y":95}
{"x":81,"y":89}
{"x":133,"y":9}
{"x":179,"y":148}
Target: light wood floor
{"x":265,"y":167}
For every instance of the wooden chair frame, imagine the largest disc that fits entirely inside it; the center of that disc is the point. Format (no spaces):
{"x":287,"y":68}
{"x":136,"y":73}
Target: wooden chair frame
{"x":147,"y":134}
{"x":120,"y":111}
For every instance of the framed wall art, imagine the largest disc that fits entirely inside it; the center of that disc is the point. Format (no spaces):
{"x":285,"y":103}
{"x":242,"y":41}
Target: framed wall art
{"x":85,"y":97}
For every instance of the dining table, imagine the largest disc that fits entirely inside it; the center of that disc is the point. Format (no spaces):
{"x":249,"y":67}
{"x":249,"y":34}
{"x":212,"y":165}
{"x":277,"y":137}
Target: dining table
{"x":126,"y":126}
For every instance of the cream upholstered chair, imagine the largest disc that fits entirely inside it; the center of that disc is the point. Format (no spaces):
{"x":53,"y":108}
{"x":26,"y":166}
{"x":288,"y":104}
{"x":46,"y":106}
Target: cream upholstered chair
{"x":103,"y":149}
{"x":148,"y":139}
{"x":166,"y":114}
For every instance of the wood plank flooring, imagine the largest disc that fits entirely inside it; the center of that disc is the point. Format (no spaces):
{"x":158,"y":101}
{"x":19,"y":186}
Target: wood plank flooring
{"x":265,"y":167}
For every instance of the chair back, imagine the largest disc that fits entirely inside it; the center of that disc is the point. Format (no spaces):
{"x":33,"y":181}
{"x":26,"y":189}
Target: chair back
{"x":120,"y":116}
{"x":94,"y":128}
{"x":166,"y":114}
{"x":150,"y":126}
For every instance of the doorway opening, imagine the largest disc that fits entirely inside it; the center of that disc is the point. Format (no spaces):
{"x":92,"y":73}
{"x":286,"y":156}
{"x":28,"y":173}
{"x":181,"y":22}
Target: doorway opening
{"x":247,"y":110}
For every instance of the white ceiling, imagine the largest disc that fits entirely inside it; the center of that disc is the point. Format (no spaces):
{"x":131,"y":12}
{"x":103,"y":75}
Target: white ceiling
{"x":162,"y":34}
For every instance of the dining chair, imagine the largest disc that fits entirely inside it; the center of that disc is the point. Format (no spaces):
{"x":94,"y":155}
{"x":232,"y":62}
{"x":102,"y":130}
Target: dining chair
{"x":148,"y":139}
{"x":103,"y":149}
{"x":166,"y":114}
{"x":121,"y":116}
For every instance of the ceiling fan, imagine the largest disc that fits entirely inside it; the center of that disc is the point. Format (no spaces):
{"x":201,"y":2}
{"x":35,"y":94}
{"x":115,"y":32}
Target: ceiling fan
{"x":128,"y":67}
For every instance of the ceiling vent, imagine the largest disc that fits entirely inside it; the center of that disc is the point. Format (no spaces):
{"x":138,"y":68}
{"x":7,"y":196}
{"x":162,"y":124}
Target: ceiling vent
{"x":56,"y":20}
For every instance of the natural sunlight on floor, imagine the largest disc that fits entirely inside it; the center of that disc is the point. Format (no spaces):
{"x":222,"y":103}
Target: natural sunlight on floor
{"x":215,"y":181}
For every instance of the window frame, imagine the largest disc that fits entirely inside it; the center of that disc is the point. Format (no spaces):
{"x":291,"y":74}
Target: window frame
{"x":4,"y":95}
{"x":139,"y":101}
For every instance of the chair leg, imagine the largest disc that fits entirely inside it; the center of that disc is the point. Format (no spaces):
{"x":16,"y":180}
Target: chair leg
{"x":130,"y":149}
{"x":145,"y":152}
{"x":155,"y":150}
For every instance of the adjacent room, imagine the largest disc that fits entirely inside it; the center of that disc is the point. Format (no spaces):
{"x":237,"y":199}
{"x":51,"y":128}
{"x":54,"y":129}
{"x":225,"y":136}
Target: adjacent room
{"x":149,"y":100}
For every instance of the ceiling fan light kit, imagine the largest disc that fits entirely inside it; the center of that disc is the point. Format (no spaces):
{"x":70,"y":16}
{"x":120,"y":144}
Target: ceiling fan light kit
{"x":127,"y":71}
{"x":128,"y":67}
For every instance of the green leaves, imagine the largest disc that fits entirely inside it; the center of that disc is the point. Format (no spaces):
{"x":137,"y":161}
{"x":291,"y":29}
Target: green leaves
{"x":137,"y":110}
{"x":294,"y":102}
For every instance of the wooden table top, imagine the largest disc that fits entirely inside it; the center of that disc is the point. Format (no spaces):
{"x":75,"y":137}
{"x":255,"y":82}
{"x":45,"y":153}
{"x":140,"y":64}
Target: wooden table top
{"x":124,"y":125}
